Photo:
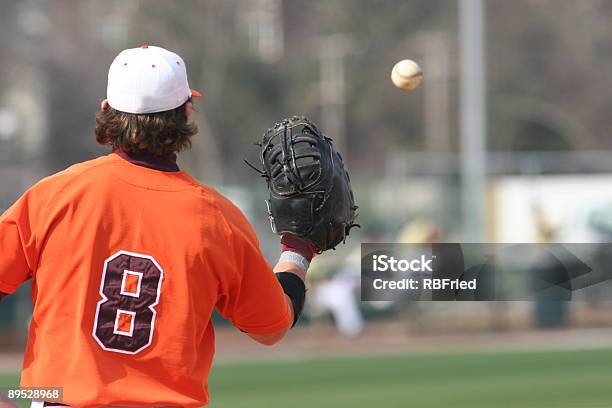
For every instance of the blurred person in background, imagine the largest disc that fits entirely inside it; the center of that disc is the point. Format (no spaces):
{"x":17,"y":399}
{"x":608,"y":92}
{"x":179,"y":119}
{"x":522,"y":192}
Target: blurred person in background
{"x":334,"y":290}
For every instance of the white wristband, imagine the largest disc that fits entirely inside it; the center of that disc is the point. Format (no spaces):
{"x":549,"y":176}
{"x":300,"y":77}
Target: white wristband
{"x":294,"y":257}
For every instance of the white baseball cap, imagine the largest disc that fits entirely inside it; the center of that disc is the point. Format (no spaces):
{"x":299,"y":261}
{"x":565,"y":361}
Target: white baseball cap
{"x":148,"y":79}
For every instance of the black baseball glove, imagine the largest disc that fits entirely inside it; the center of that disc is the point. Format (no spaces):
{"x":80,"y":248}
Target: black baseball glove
{"x":310,"y":191}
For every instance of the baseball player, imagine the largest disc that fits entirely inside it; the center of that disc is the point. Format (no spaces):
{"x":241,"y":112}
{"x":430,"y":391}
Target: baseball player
{"x":129,"y":256}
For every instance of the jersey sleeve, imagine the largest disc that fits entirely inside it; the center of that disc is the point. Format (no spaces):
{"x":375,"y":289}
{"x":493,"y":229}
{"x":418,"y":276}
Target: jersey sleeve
{"x":18,"y":246}
{"x":254,"y":300}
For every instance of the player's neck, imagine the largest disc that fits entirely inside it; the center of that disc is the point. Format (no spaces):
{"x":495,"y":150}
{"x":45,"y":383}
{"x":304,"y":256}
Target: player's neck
{"x":146,"y":159}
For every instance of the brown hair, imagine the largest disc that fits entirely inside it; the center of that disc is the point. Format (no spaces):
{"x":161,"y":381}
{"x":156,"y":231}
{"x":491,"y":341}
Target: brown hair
{"x":159,"y":133}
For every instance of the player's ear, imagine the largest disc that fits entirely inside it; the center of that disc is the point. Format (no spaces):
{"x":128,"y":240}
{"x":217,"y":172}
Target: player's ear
{"x":104,"y":105}
{"x":188,"y":109}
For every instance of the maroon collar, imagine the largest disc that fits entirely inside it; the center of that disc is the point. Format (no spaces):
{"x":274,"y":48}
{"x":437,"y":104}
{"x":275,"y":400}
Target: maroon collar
{"x":146,"y":159}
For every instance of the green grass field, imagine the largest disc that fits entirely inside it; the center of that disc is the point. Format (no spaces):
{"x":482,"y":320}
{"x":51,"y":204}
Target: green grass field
{"x":564,"y":379}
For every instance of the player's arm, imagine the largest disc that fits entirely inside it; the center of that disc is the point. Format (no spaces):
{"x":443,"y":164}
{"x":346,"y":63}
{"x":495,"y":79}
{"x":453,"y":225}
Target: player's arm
{"x":291,"y":277}
{"x":290,"y":271}
{"x":18,"y":249}
{"x":260,"y":301}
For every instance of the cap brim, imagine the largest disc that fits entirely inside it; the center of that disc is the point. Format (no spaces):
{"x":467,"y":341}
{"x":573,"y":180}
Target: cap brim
{"x":195,"y":94}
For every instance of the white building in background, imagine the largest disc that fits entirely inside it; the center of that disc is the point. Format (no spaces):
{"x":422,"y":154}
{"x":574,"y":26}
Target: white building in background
{"x":565,"y":204}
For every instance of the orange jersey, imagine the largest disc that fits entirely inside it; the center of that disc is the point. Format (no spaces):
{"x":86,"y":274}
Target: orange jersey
{"x":127,"y":265}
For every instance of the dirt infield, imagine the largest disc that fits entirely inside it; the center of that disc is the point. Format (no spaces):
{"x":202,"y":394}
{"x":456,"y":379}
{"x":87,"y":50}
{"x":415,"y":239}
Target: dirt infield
{"x":389,"y":338}
{"x":384,"y":338}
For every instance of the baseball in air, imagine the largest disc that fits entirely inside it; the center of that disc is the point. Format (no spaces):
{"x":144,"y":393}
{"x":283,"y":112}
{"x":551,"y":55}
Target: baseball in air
{"x":406,"y":75}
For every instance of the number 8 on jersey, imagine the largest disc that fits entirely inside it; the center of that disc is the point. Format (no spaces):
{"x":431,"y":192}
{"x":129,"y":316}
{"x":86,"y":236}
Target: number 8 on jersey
{"x":130,"y":290}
